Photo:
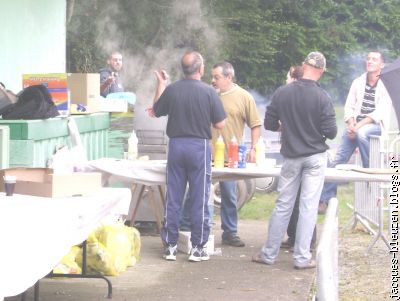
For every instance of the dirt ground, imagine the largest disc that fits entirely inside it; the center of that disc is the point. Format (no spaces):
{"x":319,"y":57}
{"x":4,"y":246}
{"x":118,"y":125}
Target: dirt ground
{"x":362,"y":277}
{"x":228,"y":276}
{"x":233,"y":276}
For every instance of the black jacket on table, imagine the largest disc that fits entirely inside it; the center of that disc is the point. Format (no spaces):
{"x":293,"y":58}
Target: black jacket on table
{"x":306,"y":115}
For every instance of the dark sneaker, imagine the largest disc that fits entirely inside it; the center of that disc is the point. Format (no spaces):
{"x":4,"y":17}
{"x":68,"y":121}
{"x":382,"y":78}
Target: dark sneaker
{"x":232,"y":240}
{"x":170,"y":253}
{"x":198,"y":254}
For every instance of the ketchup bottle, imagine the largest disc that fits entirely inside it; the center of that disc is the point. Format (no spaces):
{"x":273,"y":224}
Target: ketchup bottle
{"x":233,"y":152}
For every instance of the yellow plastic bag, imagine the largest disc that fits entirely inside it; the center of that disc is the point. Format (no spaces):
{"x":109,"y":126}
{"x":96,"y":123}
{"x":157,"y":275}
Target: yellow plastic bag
{"x":115,"y":240}
{"x":68,"y":264}
{"x":134,"y":237}
{"x":98,"y":260}
{"x":111,"y":249}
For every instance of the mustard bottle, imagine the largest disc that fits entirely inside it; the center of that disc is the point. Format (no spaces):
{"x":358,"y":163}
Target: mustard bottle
{"x":219,"y":152}
{"x":260,"y":152}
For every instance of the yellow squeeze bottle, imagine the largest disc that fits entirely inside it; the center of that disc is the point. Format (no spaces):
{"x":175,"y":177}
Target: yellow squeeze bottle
{"x":219,"y":152}
{"x":260,"y":152}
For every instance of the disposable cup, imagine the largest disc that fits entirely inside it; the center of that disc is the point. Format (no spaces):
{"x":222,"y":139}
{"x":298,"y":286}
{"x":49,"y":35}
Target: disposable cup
{"x":9,"y":184}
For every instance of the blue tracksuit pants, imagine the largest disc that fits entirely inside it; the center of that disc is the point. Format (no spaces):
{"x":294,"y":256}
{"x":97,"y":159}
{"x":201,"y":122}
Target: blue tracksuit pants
{"x":189,"y":161}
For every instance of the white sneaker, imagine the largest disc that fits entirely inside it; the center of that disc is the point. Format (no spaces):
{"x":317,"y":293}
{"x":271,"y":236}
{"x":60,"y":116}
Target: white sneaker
{"x":170,"y":253}
{"x":198,"y":254}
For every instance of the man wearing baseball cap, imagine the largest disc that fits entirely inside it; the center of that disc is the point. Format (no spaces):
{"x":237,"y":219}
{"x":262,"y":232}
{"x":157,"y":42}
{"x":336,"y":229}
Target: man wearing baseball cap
{"x":304,"y":113}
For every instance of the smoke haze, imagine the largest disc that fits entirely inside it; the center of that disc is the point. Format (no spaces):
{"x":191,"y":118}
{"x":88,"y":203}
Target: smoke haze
{"x":164,"y":51}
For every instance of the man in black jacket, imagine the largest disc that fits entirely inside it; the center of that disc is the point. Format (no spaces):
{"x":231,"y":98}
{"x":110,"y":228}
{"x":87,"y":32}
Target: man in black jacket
{"x":303,"y":111}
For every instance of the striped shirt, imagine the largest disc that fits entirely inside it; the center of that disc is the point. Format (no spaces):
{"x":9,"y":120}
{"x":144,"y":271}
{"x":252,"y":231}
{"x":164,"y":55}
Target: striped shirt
{"x":368,"y":104}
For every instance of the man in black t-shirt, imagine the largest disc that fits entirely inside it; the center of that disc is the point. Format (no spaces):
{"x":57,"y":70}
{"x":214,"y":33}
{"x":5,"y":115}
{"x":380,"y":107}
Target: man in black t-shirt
{"x":192,"y":107}
{"x":304,"y":113}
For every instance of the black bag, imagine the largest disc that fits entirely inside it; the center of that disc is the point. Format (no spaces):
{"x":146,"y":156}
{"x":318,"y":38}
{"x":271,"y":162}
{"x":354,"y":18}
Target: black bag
{"x":34,"y":102}
{"x":4,"y":99}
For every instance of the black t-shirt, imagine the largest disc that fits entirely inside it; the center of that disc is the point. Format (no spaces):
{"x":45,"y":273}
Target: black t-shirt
{"x":307,"y":116}
{"x":191,"y":106}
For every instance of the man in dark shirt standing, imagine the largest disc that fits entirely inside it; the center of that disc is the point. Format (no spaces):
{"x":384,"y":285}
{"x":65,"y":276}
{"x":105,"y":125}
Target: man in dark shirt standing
{"x":192,"y":107}
{"x":110,"y":80}
{"x":305,"y":114}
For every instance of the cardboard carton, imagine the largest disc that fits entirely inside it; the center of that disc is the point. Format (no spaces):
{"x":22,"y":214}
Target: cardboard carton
{"x":43,"y":182}
{"x":60,"y":98}
{"x":56,"y":84}
{"x":85,"y":90}
{"x":50,"y":80}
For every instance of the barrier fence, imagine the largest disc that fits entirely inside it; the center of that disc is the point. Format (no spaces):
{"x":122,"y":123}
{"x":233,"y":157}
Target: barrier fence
{"x":327,"y":256}
{"x":371,"y":204}
{"x":371,"y":198}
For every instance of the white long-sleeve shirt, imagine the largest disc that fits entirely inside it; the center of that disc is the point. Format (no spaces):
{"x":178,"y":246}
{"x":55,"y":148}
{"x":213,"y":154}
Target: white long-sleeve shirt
{"x":383,"y":102}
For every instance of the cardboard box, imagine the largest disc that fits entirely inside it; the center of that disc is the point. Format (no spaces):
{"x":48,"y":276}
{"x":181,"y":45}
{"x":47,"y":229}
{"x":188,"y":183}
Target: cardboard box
{"x":60,"y":98}
{"x":84,"y":87}
{"x":184,"y":244}
{"x":57,"y":85}
{"x":42,"y":182}
{"x":50,"y":80}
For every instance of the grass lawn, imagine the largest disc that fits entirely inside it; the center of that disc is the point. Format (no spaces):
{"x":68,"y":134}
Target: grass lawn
{"x":261,"y":205}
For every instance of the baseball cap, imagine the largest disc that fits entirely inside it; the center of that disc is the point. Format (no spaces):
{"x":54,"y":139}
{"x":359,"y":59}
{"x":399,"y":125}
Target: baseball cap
{"x":316,"y":59}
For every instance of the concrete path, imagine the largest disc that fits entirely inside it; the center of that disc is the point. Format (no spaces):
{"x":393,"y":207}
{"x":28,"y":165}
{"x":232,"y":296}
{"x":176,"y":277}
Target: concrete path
{"x":229,"y":276}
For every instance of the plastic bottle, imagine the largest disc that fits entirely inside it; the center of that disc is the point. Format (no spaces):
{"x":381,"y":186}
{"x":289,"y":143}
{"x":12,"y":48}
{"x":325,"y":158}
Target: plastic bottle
{"x":242,"y":155}
{"x":219,"y":152}
{"x":233,"y":152}
{"x":132,"y":146}
{"x":260,"y":152}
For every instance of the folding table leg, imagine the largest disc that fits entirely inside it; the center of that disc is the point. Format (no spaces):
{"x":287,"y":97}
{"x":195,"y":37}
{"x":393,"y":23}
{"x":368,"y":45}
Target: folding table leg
{"x":36,"y":292}
{"x":139,"y":200}
{"x":155,"y":209}
{"x":84,"y":273}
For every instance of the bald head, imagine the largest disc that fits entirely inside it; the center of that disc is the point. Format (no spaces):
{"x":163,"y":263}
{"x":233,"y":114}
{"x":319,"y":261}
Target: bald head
{"x":192,"y":64}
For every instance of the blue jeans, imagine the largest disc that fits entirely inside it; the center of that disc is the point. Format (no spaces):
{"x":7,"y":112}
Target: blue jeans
{"x":346,"y":149}
{"x":229,"y":215}
{"x":309,"y":173}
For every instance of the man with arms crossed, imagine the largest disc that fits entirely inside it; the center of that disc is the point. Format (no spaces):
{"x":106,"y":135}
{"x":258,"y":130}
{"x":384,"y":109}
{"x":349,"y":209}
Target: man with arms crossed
{"x":241,"y":110}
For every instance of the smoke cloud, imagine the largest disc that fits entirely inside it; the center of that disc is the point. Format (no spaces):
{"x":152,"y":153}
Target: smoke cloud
{"x":187,"y":18}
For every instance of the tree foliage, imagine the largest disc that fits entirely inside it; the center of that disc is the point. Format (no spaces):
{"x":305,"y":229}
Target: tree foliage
{"x":261,"y":38}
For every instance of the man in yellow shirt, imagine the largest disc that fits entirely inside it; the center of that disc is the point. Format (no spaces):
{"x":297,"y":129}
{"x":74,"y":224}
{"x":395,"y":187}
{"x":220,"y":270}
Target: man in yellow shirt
{"x":241,"y":110}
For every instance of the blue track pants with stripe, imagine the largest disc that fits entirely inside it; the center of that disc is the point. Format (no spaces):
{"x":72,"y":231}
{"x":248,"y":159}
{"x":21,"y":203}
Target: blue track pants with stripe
{"x":189,"y":161}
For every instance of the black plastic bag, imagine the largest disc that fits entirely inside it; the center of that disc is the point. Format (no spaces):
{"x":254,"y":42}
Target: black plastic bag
{"x":34,"y":102}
